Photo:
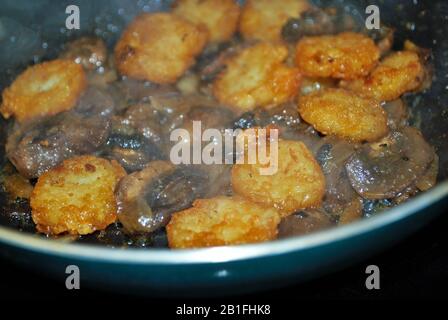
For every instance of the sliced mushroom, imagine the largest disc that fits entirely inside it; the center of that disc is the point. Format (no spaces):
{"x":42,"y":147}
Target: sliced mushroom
{"x":318,"y":21}
{"x":211,"y":117}
{"x":303,"y":222}
{"x":212,"y":61}
{"x":37,"y":147}
{"x":397,"y":114}
{"x":384,"y":169}
{"x":132,"y":150}
{"x":147,"y":198}
{"x":179,"y":111}
{"x":90,"y":52}
{"x":134,"y":210}
{"x":284,"y":117}
{"x":429,"y":178}
{"x":332,"y":156}
{"x":352,"y":212}
{"x":134,"y":91}
{"x":312,"y":23}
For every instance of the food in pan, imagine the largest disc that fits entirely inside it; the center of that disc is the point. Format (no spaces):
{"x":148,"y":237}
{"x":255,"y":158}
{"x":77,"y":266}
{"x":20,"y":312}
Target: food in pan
{"x":89,"y":134}
{"x":43,"y":90}
{"x":257,"y":77}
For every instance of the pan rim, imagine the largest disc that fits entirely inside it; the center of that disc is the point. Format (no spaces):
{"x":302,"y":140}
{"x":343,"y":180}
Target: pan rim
{"x":223,"y":254}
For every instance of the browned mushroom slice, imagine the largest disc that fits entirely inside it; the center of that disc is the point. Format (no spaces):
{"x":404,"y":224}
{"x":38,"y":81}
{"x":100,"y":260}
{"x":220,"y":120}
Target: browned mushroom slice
{"x":332,"y":156}
{"x":210,"y":117}
{"x":212,"y":61}
{"x":137,"y":137}
{"x":397,"y":114}
{"x":36,"y":147}
{"x":286,"y":119}
{"x":132,"y":150}
{"x":283,"y":116}
{"x":352,"y":212}
{"x":90,"y":52}
{"x":429,"y":179}
{"x":384,"y":169}
{"x":303,"y":222}
{"x":147,"y":198}
{"x":320,"y":21}
{"x":135,"y":91}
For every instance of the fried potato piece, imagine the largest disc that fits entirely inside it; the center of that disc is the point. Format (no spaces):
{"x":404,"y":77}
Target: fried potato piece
{"x":347,"y":55}
{"x":44,"y":89}
{"x":219,"y":17}
{"x":342,"y":113}
{"x":159,"y":47}
{"x":299,"y":182}
{"x":398,"y":73}
{"x":76,"y":197}
{"x":257,"y":76}
{"x":222,"y":221}
{"x":264,"y":19}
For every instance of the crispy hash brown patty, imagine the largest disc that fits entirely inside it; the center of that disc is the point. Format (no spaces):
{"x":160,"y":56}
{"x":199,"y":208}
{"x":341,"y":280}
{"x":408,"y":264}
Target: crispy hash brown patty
{"x":219,"y":17}
{"x":257,"y":76}
{"x":347,"y":55}
{"x":398,"y":73}
{"x":222,"y":221}
{"x":44,"y":89}
{"x":76,"y":197}
{"x":299,"y":182}
{"x":344,"y":114}
{"x":159,"y":47}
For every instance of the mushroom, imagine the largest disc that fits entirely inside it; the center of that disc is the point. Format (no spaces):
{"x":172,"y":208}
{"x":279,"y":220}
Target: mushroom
{"x":397,"y":114}
{"x":136,"y":137}
{"x":147,"y":198}
{"x":383,"y":169}
{"x":90,"y":52}
{"x":317,"y":21}
{"x":303,"y":222}
{"x":132,"y":150}
{"x":36,"y":147}
{"x":339,"y":195}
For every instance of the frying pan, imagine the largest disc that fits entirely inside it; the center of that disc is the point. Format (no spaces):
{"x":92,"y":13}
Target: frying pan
{"x":30,"y":30}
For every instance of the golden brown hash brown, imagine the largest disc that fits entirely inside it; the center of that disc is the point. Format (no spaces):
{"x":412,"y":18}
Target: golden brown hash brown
{"x":398,"y":73}
{"x":44,"y":89}
{"x":257,"y":76}
{"x":347,"y":55}
{"x":264,"y":19}
{"x":76,"y":197}
{"x":299,"y":182}
{"x":344,"y":114}
{"x":222,"y":221}
{"x":159,"y":47}
{"x":219,"y":17}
